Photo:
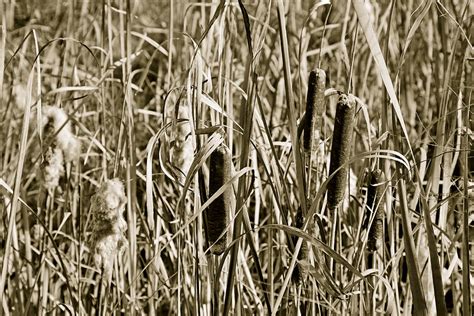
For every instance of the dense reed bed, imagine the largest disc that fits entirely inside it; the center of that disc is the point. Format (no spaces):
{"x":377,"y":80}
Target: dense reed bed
{"x":236,"y":157}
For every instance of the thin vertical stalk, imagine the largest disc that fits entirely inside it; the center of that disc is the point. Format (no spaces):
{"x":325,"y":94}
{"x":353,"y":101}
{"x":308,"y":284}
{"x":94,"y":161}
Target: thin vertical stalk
{"x":466,"y":257}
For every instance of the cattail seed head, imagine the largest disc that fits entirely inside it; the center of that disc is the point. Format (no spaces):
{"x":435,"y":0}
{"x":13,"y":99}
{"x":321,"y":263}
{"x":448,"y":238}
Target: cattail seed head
{"x":52,"y":167}
{"x":56,"y":120}
{"x":314,"y":109}
{"x":108,"y":225}
{"x":299,"y":223}
{"x":375,"y":204}
{"x":219,"y":210}
{"x":298,"y":272}
{"x":65,"y":147}
{"x":341,"y":149}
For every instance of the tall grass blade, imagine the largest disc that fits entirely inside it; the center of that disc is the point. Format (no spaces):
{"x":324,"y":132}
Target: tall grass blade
{"x":419,"y":301}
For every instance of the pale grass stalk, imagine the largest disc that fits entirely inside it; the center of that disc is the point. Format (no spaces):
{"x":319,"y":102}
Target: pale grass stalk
{"x":16,"y":191}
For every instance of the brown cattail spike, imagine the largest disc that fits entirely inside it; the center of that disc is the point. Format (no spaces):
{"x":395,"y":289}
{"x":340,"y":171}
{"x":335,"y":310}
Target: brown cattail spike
{"x":218,"y":212}
{"x":314,"y":109}
{"x":341,"y":149}
{"x":375,"y":204}
{"x":298,"y":271}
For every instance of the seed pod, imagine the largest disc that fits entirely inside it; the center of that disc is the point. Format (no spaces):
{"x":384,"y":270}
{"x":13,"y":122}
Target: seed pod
{"x":52,"y":168}
{"x":55,"y":121}
{"x":375,"y":204}
{"x":64,"y":147}
{"x":314,"y":109}
{"x":108,"y":225}
{"x":218,"y":211}
{"x":341,"y":149}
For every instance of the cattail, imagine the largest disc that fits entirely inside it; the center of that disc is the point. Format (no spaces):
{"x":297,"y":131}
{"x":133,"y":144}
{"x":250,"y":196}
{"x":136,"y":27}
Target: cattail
{"x":57,"y":119}
{"x":375,"y":204}
{"x":108,"y":225}
{"x":219,"y":210}
{"x":64,"y":147}
{"x":182,"y":148}
{"x":298,"y":271}
{"x":52,"y":167}
{"x":340,"y":150}
{"x":314,"y":109}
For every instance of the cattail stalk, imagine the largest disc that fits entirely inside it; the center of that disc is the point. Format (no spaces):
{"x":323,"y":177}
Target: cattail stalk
{"x":219,"y":210}
{"x":340,"y":150}
{"x":375,"y":205}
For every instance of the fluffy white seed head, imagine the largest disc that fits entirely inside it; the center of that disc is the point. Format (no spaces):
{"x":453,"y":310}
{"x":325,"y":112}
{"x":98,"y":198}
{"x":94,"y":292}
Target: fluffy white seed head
{"x":52,"y":168}
{"x":19,"y":94}
{"x":65,"y":139}
{"x":108,"y":225}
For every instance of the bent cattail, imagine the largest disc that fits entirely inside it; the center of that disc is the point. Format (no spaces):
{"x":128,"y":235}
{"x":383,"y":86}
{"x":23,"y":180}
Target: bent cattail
{"x":340,"y":149}
{"x":375,"y":192}
{"x":218,"y":211}
{"x":108,"y":225}
{"x":314,"y":109}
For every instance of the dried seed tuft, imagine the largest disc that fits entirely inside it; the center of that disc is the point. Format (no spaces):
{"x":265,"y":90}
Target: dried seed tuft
{"x":219,"y":210}
{"x":341,"y":149}
{"x":108,"y":225}
{"x":55,"y":121}
{"x":52,"y":167}
{"x":65,"y":147}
